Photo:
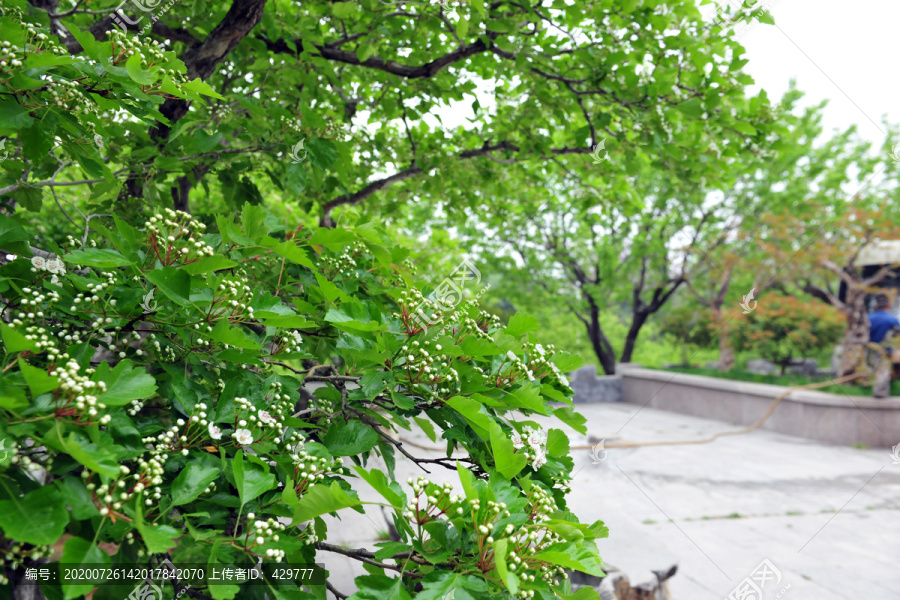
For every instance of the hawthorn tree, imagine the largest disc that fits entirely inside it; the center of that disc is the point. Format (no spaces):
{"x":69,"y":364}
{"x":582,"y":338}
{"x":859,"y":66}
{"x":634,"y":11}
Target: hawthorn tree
{"x":156,"y":390}
{"x":365,"y":87}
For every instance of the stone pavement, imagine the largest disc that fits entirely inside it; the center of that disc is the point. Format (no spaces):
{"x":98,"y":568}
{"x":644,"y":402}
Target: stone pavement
{"x":827,"y":517}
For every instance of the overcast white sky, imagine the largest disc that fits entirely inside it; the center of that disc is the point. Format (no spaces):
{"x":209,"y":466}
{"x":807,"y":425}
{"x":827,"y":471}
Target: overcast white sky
{"x":837,"y":50}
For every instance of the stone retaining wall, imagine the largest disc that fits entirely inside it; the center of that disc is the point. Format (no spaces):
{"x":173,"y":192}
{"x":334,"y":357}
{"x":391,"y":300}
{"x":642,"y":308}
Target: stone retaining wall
{"x":589,"y":387}
{"x":810,"y":414}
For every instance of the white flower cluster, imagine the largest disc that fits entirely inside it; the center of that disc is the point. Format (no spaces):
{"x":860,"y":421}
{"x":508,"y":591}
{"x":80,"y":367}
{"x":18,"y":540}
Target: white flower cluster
{"x":263,"y":532}
{"x":174,"y":236}
{"x":134,"y":407}
{"x":540,"y":359}
{"x":309,"y":469}
{"x":346,"y":263}
{"x":519,"y":364}
{"x":110,"y":497}
{"x":76,"y":395}
{"x":38,"y":263}
{"x":532,"y":539}
{"x":34,"y":303}
{"x":288,"y":341}
{"x":14,"y":557}
{"x":231,"y":298}
{"x":164,"y":354}
{"x":91,"y":295}
{"x":186,"y":433}
{"x":432,"y":370}
{"x":533,"y":445}
{"x":438,"y":500}
{"x":294,"y":124}
{"x":150,"y":51}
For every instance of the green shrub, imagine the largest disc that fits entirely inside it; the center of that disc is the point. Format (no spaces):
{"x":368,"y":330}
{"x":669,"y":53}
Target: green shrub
{"x":153,"y":403}
{"x":690,"y":328}
{"x":783,"y":328}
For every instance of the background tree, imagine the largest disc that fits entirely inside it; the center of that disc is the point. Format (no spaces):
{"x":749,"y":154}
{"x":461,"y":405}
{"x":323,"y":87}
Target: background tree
{"x":784,"y":328}
{"x":690,"y":329}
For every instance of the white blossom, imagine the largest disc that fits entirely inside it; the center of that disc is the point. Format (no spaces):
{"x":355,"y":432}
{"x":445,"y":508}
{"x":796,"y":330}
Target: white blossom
{"x":214,"y":432}
{"x":243,"y":437}
{"x":540,"y":459}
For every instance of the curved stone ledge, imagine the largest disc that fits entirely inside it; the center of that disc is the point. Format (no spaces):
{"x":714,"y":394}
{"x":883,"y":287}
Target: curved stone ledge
{"x":833,"y":418}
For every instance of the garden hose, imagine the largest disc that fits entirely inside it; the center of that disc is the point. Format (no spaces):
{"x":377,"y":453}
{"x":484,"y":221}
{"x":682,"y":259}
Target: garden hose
{"x":712,"y":438}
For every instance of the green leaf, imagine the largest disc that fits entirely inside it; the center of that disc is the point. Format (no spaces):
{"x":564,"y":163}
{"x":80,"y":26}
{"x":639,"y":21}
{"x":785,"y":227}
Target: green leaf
{"x":572,"y":555}
{"x":157,"y":538}
{"x":40,"y":517}
{"x":207,"y":141}
{"x":508,"y":462}
{"x":138,"y":74}
{"x":342,"y":10}
{"x":692,"y":108}
{"x":381,"y":587}
{"x":566,"y":362}
{"x":78,"y":551}
{"x":253,"y":219}
{"x":467,"y":481}
{"x":462,"y":27}
{"x":426,"y":427}
{"x":333,"y":239}
{"x":125,"y":383}
{"x":38,"y":380}
{"x":582,"y":593}
{"x":446,"y":585}
{"x":173,"y":282}
{"x":12,"y":115}
{"x":557,"y":443}
{"x":251,"y":478}
{"x":391,"y":490}
{"x":350,"y":438}
{"x":506,"y":576}
{"x":13,"y":341}
{"x":194,"y":479}
{"x":319,"y":500}
{"x":30,"y":198}
{"x":95,"y":458}
{"x":96,"y":257}
{"x":471,"y":412}
{"x":291,"y":251}
{"x":571,"y":418}
{"x":364,"y":51}
{"x":201,"y":87}
{"x":234,"y":336}
{"x":13,"y":237}
{"x":208,"y":264}
{"x":520,"y":324}
{"x":527,"y":397}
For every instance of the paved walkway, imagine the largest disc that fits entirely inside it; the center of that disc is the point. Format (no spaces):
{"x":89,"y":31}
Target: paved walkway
{"x":827,"y":517}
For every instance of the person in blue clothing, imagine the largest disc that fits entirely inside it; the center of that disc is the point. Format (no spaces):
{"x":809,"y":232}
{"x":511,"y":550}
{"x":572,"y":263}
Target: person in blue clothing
{"x":883,"y":325}
{"x":881,"y":321}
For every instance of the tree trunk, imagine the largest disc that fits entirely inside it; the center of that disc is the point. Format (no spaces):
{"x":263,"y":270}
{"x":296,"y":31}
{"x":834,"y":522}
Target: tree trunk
{"x":601,"y":345}
{"x":726,"y":352}
{"x":856,"y":337}
{"x":637,"y":321}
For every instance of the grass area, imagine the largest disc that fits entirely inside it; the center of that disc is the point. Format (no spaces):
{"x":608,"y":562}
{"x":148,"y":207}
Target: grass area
{"x":786,"y":380}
